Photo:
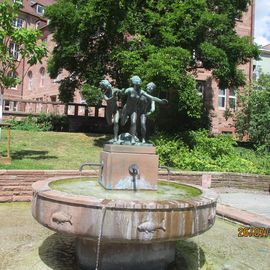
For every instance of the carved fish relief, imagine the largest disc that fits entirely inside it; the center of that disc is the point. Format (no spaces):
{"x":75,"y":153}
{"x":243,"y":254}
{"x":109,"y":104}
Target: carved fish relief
{"x":61,"y":218}
{"x":151,"y":227}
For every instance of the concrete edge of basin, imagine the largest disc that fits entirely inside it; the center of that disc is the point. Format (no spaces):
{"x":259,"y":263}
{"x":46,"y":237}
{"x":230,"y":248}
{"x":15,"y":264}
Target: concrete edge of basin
{"x":242,"y":216}
{"x":206,"y":198}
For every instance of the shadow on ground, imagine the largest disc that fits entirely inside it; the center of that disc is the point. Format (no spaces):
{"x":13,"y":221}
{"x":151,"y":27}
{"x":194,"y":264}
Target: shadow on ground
{"x":98,"y":139}
{"x":31,"y":154}
{"x":58,"y":252}
{"x":187,"y":257}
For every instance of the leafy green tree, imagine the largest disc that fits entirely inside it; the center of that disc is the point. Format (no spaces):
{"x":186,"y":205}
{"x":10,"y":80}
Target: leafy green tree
{"x":254,"y":117}
{"x":160,"y":40}
{"x":15,"y":43}
{"x":92,"y":94}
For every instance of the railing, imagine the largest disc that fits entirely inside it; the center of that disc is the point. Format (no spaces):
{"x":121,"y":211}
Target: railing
{"x":23,"y":107}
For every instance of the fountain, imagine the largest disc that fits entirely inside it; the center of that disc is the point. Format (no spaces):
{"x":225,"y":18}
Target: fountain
{"x":127,"y":218}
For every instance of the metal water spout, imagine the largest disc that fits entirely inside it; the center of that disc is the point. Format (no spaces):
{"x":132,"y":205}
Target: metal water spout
{"x":91,"y":164}
{"x":133,"y":170}
{"x":167,"y":169}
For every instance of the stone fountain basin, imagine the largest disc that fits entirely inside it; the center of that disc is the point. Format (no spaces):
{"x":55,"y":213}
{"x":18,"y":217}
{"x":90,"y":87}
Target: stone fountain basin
{"x":124,"y":220}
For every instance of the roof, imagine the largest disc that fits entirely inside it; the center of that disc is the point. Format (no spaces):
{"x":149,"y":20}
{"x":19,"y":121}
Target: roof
{"x":41,"y":2}
{"x":266,"y":47}
{"x":29,"y":6}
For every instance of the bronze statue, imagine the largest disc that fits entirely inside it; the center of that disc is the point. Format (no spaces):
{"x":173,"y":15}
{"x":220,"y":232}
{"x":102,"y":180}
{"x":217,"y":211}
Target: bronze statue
{"x":130,"y":109}
{"x":139,"y":104}
{"x":112,"y":112}
{"x":147,"y":106}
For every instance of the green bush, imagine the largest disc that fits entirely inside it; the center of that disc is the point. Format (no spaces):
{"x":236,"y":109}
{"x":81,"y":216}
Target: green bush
{"x":42,"y":122}
{"x":29,"y":124}
{"x":53,"y":122}
{"x":214,"y":146}
{"x":254,"y":117}
{"x":92,"y":95}
{"x":197,"y":151}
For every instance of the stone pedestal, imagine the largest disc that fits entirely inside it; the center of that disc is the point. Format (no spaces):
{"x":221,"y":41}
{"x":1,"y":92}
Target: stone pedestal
{"x":116,"y":161}
{"x":119,"y":256}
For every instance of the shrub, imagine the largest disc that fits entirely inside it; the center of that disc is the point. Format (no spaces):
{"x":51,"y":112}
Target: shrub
{"x":29,"y":124}
{"x":254,"y":117}
{"x":53,"y":122}
{"x":169,"y":149}
{"x":196,"y":150}
{"x":42,"y":122}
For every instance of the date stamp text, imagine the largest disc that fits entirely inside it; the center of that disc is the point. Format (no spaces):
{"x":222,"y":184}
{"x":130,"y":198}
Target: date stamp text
{"x":253,"y":232}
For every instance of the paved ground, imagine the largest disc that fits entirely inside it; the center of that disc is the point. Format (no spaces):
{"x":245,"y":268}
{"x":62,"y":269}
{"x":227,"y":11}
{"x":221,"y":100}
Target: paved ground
{"x":25,"y":244}
{"x":246,"y":206}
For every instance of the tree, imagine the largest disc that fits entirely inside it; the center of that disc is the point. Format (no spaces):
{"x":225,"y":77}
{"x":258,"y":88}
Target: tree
{"x":160,"y":40}
{"x":254,"y":117}
{"x":15,"y":43}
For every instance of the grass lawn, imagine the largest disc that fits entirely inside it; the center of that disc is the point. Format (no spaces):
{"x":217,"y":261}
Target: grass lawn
{"x":62,"y":150}
{"x":52,"y":150}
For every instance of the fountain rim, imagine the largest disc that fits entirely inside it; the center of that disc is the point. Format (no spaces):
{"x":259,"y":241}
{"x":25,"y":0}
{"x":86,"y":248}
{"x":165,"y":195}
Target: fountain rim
{"x":42,"y":189}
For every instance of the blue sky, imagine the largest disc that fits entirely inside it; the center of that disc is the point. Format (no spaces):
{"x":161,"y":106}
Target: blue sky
{"x":262,"y":22}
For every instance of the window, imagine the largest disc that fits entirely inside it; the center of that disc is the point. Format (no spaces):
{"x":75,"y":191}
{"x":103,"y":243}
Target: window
{"x":13,"y":74}
{"x":40,"y":10}
{"x":42,"y":76}
{"x":18,"y":23}
{"x":17,"y":1}
{"x":200,"y":88}
{"x":257,"y":70}
{"x":232,"y":99}
{"x":6,"y":105}
{"x":30,"y":80}
{"x":10,"y":106}
{"x":14,"y":50}
{"x":222,"y":98}
{"x":53,"y":98}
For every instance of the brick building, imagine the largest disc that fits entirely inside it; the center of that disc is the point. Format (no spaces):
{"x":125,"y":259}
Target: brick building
{"x":37,"y":85}
{"x":219,"y":101}
{"x":35,"y":81}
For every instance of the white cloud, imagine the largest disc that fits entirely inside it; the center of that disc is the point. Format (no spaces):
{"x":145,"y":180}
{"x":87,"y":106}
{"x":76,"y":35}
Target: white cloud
{"x":262,"y":22}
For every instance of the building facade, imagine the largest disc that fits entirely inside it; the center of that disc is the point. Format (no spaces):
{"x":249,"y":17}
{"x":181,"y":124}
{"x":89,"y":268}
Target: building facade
{"x":37,"y":85}
{"x":222,"y":103}
{"x":35,"y":81}
{"x":263,"y":64}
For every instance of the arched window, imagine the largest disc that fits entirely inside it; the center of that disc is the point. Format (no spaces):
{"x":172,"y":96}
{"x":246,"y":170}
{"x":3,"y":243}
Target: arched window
{"x":30,"y":80}
{"x":42,"y":76}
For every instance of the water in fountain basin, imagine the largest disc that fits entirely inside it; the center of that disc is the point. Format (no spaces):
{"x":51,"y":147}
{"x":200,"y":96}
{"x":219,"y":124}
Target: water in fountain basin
{"x":91,"y":187}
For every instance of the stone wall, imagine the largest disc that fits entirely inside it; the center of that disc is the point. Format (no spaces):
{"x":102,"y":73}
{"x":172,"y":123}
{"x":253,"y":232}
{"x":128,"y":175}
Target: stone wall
{"x":226,"y":179}
{"x":16,"y":185}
